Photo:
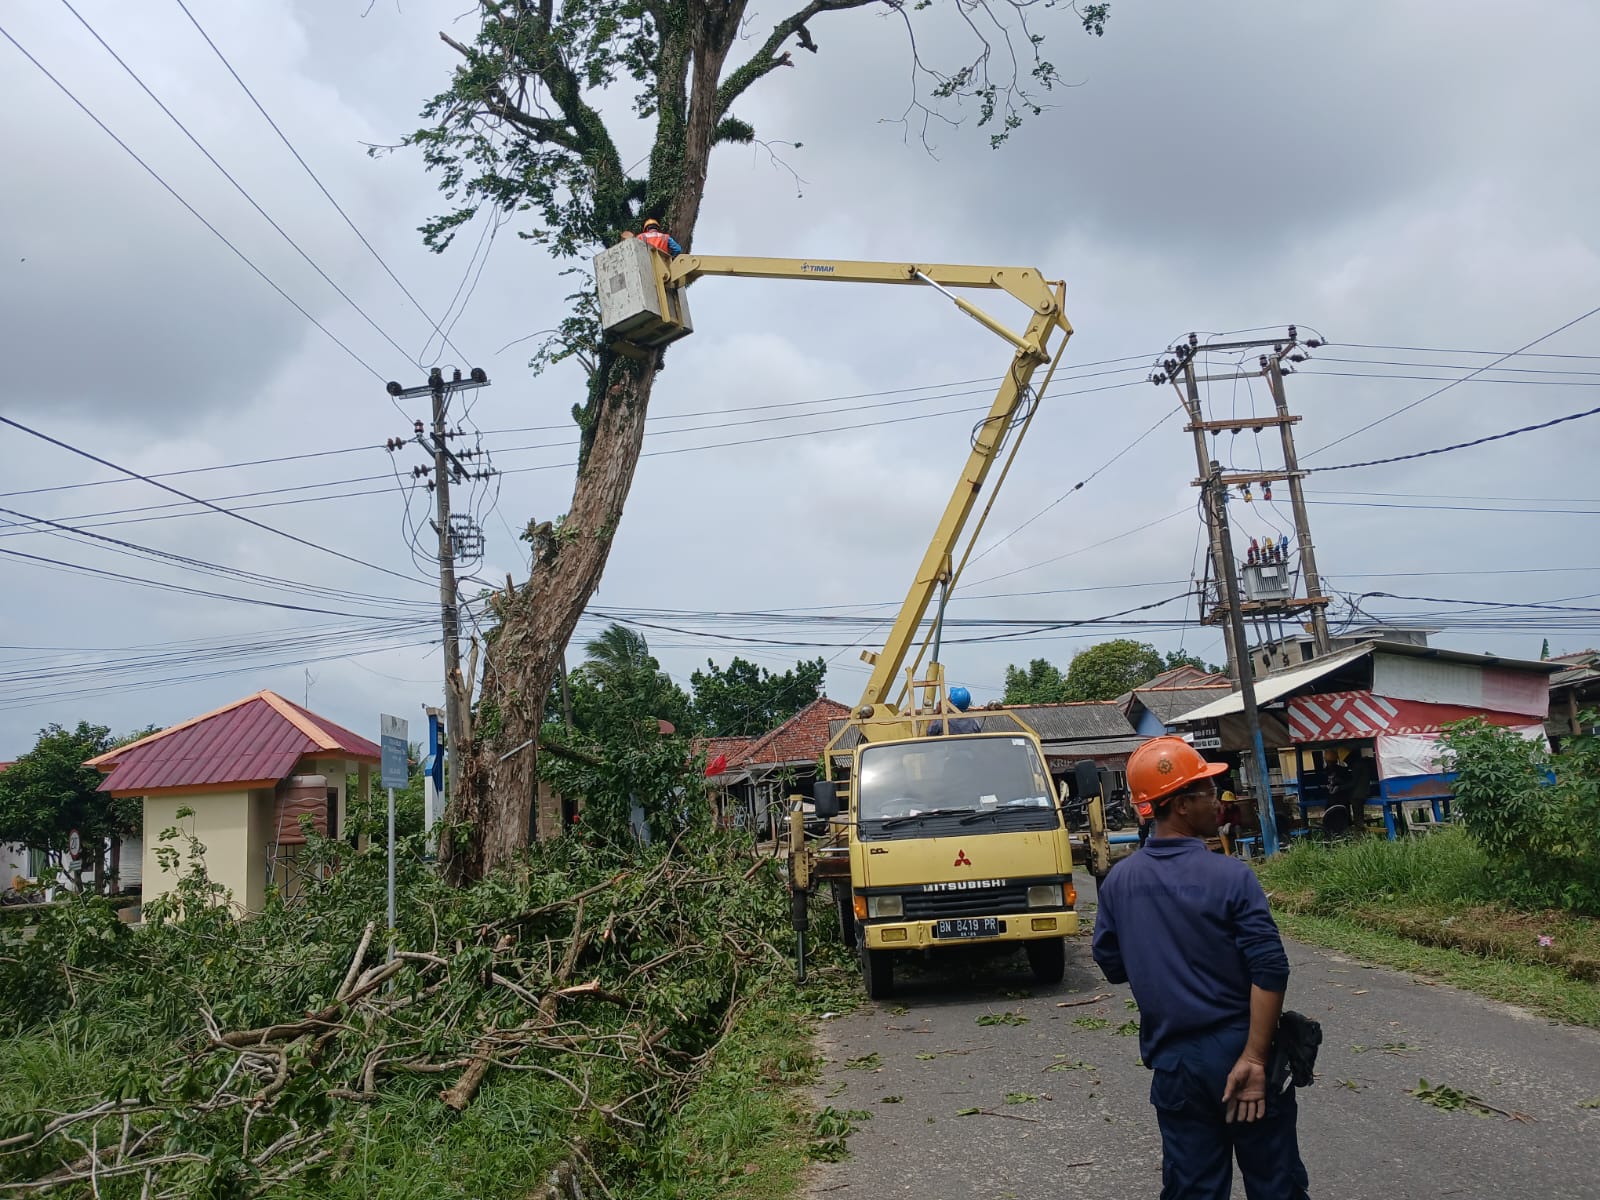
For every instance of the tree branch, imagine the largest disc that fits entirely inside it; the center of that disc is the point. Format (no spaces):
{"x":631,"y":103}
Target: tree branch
{"x":767,"y":59}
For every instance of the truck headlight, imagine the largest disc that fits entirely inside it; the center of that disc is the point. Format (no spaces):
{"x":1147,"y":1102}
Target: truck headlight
{"x":1045,"y":895}
{"x":886,"y":906}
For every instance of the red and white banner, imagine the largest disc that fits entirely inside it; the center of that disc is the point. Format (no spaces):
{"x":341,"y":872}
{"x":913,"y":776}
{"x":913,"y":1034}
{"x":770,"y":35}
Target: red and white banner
{"x":1339,"y":716}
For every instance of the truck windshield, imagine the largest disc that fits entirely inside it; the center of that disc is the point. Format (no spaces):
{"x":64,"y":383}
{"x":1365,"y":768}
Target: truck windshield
{"x":955,"y":776}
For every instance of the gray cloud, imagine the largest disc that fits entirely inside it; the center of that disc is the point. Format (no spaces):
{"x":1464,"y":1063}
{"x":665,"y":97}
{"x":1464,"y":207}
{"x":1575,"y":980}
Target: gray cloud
{"x":1410,"y":178}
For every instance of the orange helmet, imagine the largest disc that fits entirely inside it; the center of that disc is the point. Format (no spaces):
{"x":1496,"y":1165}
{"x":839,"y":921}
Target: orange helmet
{"x":1165,"y":765}
{"x":652,"y":223}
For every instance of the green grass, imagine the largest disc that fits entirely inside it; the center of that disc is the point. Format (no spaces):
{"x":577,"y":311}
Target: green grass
{"x":1430,"y":905}
{"x":1443,"y":868}
{"x":746,"y":1132}
{"x":1438,"y":890}
{"x":1542,"y":989}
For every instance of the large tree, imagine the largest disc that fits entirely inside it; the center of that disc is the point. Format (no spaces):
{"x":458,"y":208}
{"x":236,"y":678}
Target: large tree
{"x":531,"y":124}
{"x":1181,"y":658}
{"x":1107,"y":670}
{"x":743,"y":698}
{"x":621,"y":689}
{"x":48,"y":792}
{"x":1040,"y":683}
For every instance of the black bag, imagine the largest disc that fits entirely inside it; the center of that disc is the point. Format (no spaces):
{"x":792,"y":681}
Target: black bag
{"x":1293,"y":1058}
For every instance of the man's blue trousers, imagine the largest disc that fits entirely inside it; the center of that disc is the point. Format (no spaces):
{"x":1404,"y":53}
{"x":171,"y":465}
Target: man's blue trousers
{"x":1199,"y":1145}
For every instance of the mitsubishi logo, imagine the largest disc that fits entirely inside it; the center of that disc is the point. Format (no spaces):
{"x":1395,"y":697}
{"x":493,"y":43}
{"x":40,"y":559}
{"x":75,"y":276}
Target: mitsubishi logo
{"x":961,"y":859}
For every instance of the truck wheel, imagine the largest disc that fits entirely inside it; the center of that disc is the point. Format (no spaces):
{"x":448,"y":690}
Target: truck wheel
{"x":877,"y":972}
{"x":847,"y":916}
{"x":1048,"y":959}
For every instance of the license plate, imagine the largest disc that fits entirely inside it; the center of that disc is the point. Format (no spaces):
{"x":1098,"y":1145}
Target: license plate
{"x":967,"y":927}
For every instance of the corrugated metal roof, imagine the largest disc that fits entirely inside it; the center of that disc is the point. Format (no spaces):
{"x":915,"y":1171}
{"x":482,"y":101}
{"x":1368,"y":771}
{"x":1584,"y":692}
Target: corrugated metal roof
{"x":1169,"y":703}
{"x":1273,"y":687}
{"x":1070,"y":722}
{"x":258,"y":739}
{"x":1096,"y":748}
{"x":1052,"y":722}
{"x":1276,"y":686}
{"x":352,"y":745}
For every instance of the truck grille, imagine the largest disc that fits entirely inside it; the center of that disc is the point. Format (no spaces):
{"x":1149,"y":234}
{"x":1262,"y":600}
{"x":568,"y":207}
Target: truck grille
{"x":933,"y":905}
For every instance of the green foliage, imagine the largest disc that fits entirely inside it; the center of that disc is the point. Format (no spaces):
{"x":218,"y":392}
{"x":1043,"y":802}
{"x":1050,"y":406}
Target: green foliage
{"x":1102,"y":672}
{"x":1041,"y":683}
{"x":1002,"y":1018}
{"x":1448,"y":1099}
{"x":831,"y":1129}
{"x":621,"y":692}
{"x":1178,"y":658}
{"x":1107,"y":670}
{"x":244,"y":1061}
{"x":1537,"y":816}
{"x":743,"y":698}
{"x":48,"y":792}
{"x":1091,"y":1023}
{"x":1447,"y":868}
{"x":615,"y":776}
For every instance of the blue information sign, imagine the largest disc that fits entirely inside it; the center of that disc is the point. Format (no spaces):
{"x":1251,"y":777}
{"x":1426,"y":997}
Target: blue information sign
{"x":394,"y":772}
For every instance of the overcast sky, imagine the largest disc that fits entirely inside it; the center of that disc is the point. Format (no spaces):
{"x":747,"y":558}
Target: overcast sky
{"x":1396,"y":176}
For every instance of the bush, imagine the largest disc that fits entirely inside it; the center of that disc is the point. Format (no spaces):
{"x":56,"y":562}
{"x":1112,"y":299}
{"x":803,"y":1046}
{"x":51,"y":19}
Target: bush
{"x":588,"y":990}
{"x":1445,"y":868}
{"x":1536,"y":815}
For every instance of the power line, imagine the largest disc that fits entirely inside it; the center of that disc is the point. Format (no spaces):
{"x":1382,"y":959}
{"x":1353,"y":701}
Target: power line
{"x":1500,"y":354}
{"x":1494,"y":437}
{"x":852,"y":426}
{"x":149,"y":553}
{"x":162,"y":585}
{"x":1484,"y":508}
{"x":1089,"y":478}
{"x":1440,"y":391}
{"x":1458,"y":496}
{"x":1476,"y":377}
{"x":568,"y":426}
{"x":237,"y":186}
{"x":173,"y":192}
{"x":206,"y":503}
{"x":337,"y":207}
{"x":1386,"y":362}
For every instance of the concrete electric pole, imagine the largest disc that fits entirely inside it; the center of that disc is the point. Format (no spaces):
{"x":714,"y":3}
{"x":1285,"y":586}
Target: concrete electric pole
{"x":1217,"y":510}
{"x":447,"y":468}
{"x":1268,"y":590}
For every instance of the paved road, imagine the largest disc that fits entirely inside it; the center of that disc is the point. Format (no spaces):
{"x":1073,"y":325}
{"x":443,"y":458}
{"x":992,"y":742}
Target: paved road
{"x":1085,"y":1131}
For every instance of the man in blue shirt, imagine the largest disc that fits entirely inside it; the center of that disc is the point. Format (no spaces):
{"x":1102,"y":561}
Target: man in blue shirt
{"x":960,"y":699}
{"x":1191,"y":932}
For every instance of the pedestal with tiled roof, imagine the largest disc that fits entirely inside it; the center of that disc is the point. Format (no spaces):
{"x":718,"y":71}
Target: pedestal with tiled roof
{"x":249,"y":770}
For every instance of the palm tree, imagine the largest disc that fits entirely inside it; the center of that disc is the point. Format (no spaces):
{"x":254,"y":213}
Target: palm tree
{"x":618,"y":654}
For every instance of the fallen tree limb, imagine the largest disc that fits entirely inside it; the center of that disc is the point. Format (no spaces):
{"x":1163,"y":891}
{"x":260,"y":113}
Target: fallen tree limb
{"x":291,"y":1030}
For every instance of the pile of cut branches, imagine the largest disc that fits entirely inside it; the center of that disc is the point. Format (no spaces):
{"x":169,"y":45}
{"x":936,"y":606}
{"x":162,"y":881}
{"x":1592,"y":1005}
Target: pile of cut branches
{"x":588,"y":987}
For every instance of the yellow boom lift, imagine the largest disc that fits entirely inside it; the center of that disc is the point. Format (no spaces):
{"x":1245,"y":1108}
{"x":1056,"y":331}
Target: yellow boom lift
{"x":935,"y":837}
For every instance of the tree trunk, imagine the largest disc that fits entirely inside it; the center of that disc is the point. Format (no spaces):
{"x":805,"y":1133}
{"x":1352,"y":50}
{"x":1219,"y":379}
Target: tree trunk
{"x":494,"y":798}
{"x":497,"y":785}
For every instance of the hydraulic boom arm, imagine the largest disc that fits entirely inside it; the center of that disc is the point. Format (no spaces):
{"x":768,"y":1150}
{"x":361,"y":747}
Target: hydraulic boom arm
{"x":1031,"y":349}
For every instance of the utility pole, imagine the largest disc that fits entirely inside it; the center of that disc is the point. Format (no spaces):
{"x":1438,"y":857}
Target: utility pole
{"x":1268,"y":590}
{"x":1272,"y":366}
{"x":1219,"y":559}
{"x":450,"y":613}
{"x":1217,"y":508}
{"x":447,"y":467}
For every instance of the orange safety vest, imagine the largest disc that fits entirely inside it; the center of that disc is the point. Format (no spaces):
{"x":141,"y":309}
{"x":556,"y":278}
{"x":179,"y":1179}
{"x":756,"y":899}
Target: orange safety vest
{"x":656,"y":239}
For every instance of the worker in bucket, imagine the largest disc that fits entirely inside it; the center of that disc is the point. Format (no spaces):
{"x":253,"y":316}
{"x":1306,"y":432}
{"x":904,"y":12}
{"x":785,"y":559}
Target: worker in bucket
{"x":1191,"y":933}
{"x":960,"y":699}
{"x":658,"y":238}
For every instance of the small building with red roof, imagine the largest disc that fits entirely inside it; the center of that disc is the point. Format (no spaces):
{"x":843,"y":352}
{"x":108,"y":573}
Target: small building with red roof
{"x":249,"y":771}
{"x":758,"y":773}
